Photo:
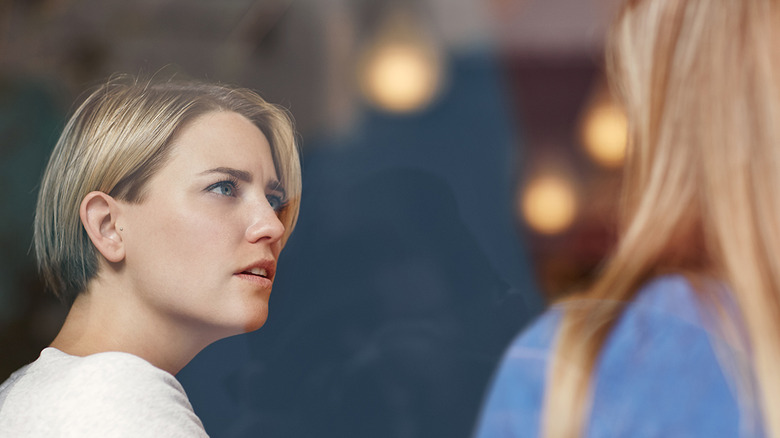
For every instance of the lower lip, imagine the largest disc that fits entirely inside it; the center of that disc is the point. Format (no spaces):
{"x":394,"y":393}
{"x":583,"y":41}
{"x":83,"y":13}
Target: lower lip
{"x":256,"y":279}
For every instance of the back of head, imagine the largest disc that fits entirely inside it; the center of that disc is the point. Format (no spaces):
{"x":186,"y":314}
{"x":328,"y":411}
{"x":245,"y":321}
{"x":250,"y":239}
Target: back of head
{"x":116,"y":140}
{"x":699,"y":81}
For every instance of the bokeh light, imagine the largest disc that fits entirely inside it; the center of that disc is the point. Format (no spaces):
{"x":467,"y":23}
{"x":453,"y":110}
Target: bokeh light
{"x":549,"y":204}
{"x":604,"y":133}
{"x":400,"y":76}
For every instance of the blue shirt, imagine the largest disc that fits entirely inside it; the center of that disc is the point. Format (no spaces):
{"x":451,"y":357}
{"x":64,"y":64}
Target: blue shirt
{"x":657,"y":375}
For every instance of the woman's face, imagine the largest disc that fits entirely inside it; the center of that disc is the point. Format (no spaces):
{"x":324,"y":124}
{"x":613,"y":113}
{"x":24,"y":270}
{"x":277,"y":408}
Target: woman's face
{"x":202,"y":246}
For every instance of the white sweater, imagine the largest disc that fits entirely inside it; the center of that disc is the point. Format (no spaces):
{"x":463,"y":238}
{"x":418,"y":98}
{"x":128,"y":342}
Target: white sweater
{"x":108,"y":394}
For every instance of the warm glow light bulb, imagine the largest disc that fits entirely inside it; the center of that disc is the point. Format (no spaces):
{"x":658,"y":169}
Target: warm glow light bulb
{"x":604,"y":134}
{"x":400,"y":77}
{"x":549,"y":204}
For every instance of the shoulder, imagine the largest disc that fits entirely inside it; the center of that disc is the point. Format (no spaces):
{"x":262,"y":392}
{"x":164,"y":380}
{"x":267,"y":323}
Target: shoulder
{"x":105,"y":394}
{"x":664,"y":356}
{"x":659,"y":358}
{"x":514,"y":400}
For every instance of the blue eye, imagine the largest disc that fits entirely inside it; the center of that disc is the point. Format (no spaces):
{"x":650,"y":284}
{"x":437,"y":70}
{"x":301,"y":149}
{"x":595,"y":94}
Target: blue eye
{"x":224,"y":188}
{"x":275,"y":202}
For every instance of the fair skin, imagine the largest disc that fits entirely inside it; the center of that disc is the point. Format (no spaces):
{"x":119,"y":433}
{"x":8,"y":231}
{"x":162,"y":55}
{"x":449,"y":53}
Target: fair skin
{"x":194,"y":261}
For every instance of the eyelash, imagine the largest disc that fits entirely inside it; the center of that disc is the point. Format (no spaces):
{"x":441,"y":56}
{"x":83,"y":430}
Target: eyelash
{"x":278,"y":203}
{"x":232,"y":183}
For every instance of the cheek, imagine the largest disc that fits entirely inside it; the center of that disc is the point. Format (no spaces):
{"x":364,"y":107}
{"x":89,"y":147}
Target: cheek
{"x":199,"y":239}
{"x":183,"y":244}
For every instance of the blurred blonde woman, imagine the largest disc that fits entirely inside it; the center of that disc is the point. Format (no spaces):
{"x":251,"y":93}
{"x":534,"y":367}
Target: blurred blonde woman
{"x":160,"y":218}
{"x":680,"y":333}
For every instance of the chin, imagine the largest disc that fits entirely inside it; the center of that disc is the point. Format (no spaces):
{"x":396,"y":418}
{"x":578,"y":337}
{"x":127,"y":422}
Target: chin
{"x":256,"y":321}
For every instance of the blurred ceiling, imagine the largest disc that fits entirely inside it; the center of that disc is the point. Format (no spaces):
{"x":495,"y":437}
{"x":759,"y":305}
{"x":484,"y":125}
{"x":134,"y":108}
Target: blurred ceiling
{"x":300,"y":53}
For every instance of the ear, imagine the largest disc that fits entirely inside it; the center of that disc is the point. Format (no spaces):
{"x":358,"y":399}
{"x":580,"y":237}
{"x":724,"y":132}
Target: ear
{"x":99,"y":213}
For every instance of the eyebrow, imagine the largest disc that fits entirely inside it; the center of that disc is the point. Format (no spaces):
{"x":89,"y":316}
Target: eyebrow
{"x":240,"y":175}
{"x":273,"y":185}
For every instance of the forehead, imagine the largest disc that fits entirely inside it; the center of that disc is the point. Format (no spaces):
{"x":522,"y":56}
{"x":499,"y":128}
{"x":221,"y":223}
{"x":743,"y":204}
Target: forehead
{"x":223,"y":139}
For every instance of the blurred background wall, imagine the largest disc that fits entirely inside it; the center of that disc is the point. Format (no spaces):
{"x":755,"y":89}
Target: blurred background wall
{"x":461,"y":161}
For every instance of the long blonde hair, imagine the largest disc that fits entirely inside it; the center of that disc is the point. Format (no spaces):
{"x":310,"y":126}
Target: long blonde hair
{"x":115,"y":141}
{"x":699,"y":81}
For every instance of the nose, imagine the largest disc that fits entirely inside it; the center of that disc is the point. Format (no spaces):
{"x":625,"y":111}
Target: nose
{"x":264,"y":224}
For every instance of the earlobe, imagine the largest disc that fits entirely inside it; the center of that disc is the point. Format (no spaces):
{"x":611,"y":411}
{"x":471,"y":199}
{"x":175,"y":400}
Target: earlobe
{"x":99,"y":213}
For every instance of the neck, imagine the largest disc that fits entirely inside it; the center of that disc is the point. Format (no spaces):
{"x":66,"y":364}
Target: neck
{"x":111,"y":320}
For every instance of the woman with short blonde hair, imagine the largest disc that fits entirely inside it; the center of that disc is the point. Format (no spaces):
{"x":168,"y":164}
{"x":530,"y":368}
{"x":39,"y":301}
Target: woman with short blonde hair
{"x":680,"y":333}
{"x":160,"y":219}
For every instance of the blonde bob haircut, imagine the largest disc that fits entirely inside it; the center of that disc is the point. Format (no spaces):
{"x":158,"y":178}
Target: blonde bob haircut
{"x":116,"y":140}
{"x":699,"y":81}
